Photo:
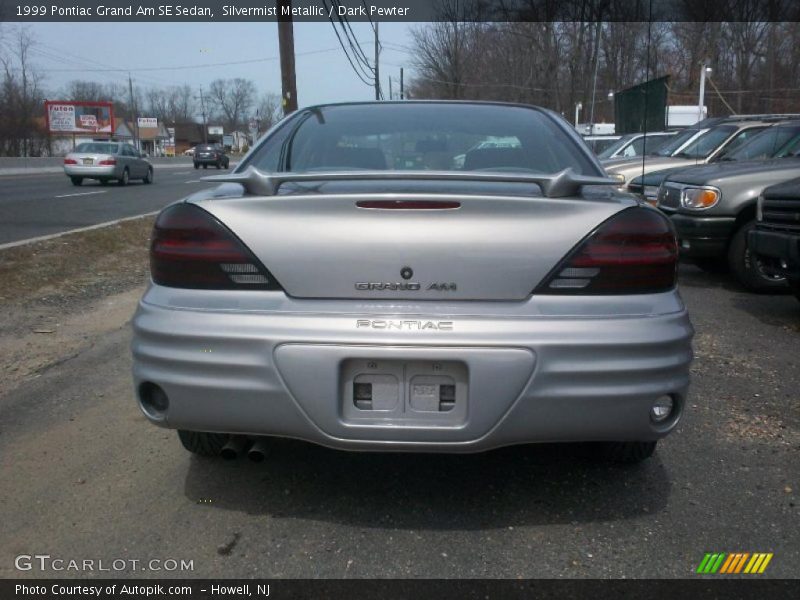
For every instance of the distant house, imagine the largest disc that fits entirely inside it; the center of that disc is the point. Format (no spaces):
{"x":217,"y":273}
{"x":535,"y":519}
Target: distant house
{"x":188,"y":135}
{"x":152,"y":140}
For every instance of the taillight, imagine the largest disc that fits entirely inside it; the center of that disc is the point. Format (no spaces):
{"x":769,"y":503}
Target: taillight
{"x":192,"y":249}
{"x":107,"y":162}
{"x":70,"y":161}
{"x":634,"y":252}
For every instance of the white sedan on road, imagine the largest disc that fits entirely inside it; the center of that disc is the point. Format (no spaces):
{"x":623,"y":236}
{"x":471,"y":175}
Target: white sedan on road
{"x":105,"y":161}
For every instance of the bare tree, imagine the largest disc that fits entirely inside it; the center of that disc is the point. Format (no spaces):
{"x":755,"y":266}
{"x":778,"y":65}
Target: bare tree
{"x":232,"y":99}
{"x":268,"y":111}
{"x":21,"y":97}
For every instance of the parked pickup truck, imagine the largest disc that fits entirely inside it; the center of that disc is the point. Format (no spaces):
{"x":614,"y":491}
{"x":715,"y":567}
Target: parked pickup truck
{"x":776,"y":237}
{"x":713,"y":208}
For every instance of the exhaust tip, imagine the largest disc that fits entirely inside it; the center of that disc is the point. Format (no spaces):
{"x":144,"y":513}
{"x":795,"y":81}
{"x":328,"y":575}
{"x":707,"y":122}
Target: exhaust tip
{"x":235,"y":446}
{"x":258,"y":452}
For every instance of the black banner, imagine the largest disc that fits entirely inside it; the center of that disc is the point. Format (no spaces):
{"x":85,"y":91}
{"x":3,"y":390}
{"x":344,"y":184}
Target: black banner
{"x":399,"y":10}
{"x":293,"y":589}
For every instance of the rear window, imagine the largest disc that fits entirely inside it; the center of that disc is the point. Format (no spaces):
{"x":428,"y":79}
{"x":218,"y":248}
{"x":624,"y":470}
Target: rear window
{"x":97,"y":147}
{"x":441,"y":137}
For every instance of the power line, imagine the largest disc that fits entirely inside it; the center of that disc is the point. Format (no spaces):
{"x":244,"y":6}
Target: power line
{"x":344,"y":48}
{"x":195,"y":66}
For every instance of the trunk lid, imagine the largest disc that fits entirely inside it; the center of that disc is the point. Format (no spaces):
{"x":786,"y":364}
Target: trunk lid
{"x":496,"y":246}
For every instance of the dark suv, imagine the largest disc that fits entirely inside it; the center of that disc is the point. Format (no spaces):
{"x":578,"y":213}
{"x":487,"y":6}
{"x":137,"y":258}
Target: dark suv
{"x":210,"y":154}
{"x":776,"y":237}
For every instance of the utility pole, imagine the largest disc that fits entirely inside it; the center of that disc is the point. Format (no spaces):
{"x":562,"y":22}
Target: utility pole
{"x":390,"y":88}
{"x":286,"y":50}
{"x":402,"y":97}
{"x":598,"y":33}
{"x":377,"y":67}
{"x":704,"y":70}
{"x":203,"y":111}
{"x":134,"y":121}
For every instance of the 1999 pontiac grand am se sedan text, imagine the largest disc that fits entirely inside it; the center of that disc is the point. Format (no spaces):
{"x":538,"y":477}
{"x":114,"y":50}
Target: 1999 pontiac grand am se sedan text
{"x":352,"y":284}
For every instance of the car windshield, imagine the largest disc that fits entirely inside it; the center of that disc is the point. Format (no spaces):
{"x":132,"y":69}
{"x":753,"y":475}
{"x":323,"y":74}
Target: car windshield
{"x":707,"y":143}
{"x":674,"y":144}
{"x":765,"y":144}
{"x":97,"y":148}
{"x":430,"y":136}
{"x":616,"y":146}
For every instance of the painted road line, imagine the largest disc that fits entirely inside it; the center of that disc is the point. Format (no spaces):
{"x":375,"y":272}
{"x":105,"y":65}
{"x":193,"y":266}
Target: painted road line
{"x":81,"y":194}
{"x":52,"y":236}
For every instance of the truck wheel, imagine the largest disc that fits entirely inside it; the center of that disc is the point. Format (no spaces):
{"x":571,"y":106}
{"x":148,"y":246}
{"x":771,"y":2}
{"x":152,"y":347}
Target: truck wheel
{"x":76,"y":180}
{"x":202,"y":443}
{"x":628,"y":452}
{"x":796,"y":289}
{"x":755,"y":274}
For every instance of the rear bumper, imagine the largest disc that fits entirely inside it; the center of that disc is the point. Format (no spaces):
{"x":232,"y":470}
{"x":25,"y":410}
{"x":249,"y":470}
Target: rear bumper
{"x":109,"y":171}
{"x":203,"y":160}
{"x":785,"y":247}
{"x":536,"y":371}
{"x":703,"y":236}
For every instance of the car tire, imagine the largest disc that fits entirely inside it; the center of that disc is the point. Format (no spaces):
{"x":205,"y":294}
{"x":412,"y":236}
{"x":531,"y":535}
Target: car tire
{"x":747,"y":268}
{"x":76,"y":180}
{"x":227,"y":163}
{"x":196,"y":165}
{"x":628,"y":453}
{"x":149,"y":177}
{"x":203,"y":443}
{"x":205,"y":166}
{"x":218,"y":165}
{"x":123,"y":181}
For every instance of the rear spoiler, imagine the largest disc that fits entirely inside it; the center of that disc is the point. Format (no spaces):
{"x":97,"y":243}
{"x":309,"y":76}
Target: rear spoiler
{"x":562,"y":184}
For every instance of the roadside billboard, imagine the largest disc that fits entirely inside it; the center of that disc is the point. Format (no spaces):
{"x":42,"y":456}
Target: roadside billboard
{"x":79,"y":117}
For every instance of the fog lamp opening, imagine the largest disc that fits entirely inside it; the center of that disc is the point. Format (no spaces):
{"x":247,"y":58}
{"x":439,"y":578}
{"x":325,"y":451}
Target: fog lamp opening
{"x":662,"y":409}
{"x":153,"y":399}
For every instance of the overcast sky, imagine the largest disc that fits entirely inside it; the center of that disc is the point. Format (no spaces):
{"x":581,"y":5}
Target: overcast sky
{"x":68,"y":51}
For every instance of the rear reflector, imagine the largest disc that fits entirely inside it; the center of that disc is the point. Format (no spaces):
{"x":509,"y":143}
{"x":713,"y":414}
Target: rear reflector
{"x":634,"y":252}
{"x":70,"y":161}
{"x":192,"y":249}
{"x":409,"y":204}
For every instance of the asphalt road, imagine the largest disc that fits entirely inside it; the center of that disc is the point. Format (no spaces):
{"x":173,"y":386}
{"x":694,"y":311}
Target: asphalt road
{"x":85,"y":476}
{"x":45,"y":203}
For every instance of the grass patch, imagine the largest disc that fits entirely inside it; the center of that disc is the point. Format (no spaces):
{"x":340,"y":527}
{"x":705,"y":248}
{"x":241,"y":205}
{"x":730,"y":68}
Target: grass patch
{"x":78,"y":266}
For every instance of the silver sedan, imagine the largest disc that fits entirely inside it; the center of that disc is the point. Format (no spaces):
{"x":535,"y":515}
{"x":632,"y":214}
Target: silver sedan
{"x":107,"y":161}
{"x":347,"y":285}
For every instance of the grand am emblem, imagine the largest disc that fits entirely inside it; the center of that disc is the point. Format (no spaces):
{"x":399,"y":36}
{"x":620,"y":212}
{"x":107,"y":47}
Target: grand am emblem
{"x":410,"y":286}
{"x":404,"y":325}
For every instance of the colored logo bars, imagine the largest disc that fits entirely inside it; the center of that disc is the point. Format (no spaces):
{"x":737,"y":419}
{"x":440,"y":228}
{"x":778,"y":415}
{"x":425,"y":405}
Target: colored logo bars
{"x":734,"y":562}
